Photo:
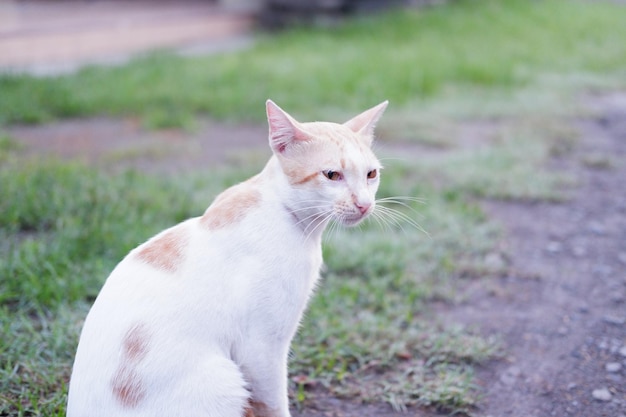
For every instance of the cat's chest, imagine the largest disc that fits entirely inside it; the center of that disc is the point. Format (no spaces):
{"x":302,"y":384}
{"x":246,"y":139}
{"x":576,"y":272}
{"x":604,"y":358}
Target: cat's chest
{"x":261,"y":251}
{"x":263,"y":277}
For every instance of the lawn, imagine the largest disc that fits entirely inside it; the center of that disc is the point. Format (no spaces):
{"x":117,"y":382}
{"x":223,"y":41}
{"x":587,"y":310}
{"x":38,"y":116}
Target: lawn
{"x":505,"y":69}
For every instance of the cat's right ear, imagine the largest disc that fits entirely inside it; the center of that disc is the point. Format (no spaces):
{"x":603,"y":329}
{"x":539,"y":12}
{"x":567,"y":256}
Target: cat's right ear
{"x":284,"y":129}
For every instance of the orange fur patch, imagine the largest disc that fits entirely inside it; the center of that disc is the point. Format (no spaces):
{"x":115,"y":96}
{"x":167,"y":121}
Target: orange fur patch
{"x":135,"y":343}
{"x":248,"y":412}
{"x":127,"y":387}
{"x":306,"y":169}
{"x":126,"y":384}
{"x":303,"y":179}
{"x":165,"y":252}
{"x":231,"y":206}
{"x":259,"y":409}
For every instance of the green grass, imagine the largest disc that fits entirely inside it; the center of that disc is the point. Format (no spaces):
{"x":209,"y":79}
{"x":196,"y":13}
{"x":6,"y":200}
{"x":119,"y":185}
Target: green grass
{"x":399,"y":56}
{"x":36,"y":360}
{"x":64,"y":226}
{"x":505,"y":70}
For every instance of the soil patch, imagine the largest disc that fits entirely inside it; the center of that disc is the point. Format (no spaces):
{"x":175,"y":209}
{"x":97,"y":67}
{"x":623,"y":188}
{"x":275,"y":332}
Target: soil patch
{"x":116,"y":144}
{"x":561,"y":307}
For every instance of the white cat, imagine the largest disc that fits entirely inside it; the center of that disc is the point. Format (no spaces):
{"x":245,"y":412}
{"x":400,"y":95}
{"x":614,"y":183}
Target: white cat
{"x":198,"y":320}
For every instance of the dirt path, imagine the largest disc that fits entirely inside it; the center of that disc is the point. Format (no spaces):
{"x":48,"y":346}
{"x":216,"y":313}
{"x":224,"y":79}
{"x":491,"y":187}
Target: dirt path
{"x":560,"y":308}
{"x":118,"y":144}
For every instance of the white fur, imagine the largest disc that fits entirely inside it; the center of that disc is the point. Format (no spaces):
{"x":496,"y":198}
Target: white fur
{"x":215,"y":332}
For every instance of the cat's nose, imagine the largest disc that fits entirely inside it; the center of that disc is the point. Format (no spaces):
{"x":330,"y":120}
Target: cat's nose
{"x":362,"y":203}
{"x":363,"y":207}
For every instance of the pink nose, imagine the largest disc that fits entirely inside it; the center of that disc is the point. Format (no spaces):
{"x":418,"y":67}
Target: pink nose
{"x":363,"y":207}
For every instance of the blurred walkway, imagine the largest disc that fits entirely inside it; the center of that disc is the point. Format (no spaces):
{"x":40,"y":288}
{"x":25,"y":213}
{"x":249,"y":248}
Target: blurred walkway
{"x":54,"y":36}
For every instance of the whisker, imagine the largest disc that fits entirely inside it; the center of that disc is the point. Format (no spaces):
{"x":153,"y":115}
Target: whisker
{"x":308,"y":208}
{"x":325,"y":217}
{"x":316,"y":200}
{"x":399,"y":203}
{"x":399,"y":198}
{"x":326,"y":220}
{"x":377,"y":217}
{"x":394,"y":214}
{"x":392,"y":221}
{"x":400,"y":217}
{"x":382,"y":221}
{"x":389,"y":221}
{"x":332,"y":231}
{"x":393,"y":158}
{"x":402,"y":201}
{"x":315,"y":216}
{"x":321,"y":202}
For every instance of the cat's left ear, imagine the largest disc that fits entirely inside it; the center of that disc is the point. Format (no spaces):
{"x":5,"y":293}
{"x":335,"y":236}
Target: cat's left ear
{"x":365,"y":122}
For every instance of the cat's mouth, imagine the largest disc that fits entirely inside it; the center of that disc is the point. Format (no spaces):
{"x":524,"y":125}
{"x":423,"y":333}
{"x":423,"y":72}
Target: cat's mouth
{"x":353,"y":220}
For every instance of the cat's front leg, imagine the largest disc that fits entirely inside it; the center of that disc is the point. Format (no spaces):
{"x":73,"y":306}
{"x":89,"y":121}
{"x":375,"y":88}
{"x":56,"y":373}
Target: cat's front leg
{"x":266,"y":376}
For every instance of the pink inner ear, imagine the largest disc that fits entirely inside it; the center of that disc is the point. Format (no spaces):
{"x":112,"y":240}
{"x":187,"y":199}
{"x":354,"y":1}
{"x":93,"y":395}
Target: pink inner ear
{"x":366,"y":122}
{"x":283,"y":128}
{"x":281,"y":147}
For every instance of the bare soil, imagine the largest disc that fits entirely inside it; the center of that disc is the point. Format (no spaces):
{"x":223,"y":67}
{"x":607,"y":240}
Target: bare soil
{"x":560,"y":307}
{"x":115,"y":144}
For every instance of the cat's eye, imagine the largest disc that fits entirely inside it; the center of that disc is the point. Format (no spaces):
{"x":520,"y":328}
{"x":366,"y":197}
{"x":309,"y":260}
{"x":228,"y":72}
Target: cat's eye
{"x":333,"y":175}
{"x":372,"y":174}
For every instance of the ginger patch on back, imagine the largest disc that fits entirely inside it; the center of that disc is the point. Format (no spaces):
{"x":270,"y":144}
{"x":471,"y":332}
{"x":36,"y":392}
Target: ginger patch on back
{"x":127,"y":384}
{"x":230,"y":207}
{"x":165,"y":252}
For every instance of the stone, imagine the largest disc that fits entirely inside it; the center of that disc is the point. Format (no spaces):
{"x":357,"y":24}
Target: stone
{"x":596,"y":228}
{"x":554,"y":247}
{"x":601,"y":394}
{"x":510,"y":375}
{"x":613,"y":367}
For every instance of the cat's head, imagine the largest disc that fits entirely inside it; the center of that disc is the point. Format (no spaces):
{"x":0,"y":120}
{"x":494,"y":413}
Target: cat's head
{"x":331,"y":169}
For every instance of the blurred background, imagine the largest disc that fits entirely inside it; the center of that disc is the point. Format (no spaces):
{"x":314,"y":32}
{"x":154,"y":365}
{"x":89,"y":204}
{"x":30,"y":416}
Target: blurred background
{"x":47,"y":36}
{"x":50,"y":36}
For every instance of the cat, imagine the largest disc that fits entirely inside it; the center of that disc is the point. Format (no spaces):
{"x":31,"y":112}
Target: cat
{"x":198,"y":320}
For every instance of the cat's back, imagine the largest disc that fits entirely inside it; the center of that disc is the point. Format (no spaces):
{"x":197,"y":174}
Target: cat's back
{"x":203,"y":253}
